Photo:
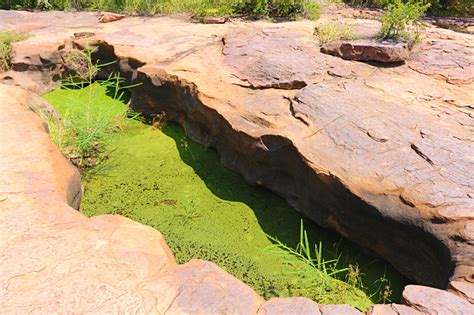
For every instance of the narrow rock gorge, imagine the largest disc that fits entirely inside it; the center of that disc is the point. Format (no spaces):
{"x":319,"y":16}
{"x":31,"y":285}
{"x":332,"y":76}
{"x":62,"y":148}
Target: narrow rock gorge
{"x":382,"y":155}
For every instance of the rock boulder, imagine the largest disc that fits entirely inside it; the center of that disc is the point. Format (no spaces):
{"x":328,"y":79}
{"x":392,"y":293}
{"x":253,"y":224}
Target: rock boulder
{"x":368,"y":50}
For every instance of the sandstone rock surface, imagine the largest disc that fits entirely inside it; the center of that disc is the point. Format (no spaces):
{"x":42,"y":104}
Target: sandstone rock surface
{"x":348,"y":144}
{"x":434,"y":301}
{"x":463,"y":289}
{"x":215,"y":19}
{"x":393,"y":309}
{"x":277,"y":306}
{"x":446,"y":59}
{"x":107,"y":17}
{"x":368,"y":50}
{"x":338,"y":309}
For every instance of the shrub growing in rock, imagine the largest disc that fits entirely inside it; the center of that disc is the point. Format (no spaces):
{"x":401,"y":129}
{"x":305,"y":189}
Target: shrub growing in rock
{"x":401,"y":21}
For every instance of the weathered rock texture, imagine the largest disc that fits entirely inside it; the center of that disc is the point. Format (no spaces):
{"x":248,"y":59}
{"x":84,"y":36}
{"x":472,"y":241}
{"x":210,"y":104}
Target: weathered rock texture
{"x":107,"y":17}
{"x":381,"y":155}
{"x":429,"y":300}
{"x":368,"y":50}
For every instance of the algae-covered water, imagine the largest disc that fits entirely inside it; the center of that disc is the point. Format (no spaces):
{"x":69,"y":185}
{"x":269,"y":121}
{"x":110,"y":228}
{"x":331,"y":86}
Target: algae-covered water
{"x":157,"y":176}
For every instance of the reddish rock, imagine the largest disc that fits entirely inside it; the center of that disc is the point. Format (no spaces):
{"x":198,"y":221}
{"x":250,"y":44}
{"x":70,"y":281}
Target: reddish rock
{"x":201,"y":287}
{"x":458,"y":24}
{"x":446,"y":59}
{"x":368,"y":50}
{"x":435,"y":301}
{"x":463,"y":289}
{"x":287,"y":306}
{"x":215,"y":19}
{"x":27,"y":21}
{"x":393,"y":309}
{"x":391,"y":135}
{"x":49,"y":176}
{"x":107,"y":17}
{"x":336,"y":309}
{"x":260,"y":58}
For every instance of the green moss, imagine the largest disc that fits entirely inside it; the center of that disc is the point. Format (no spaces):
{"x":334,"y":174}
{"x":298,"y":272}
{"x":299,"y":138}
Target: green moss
{"x":159,"y":177}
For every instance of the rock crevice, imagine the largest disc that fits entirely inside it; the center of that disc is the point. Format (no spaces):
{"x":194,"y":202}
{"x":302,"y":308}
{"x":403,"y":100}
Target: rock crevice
{"x":355,"y":160}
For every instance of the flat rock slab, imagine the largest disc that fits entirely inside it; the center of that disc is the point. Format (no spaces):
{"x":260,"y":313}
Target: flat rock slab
{"x":447,"y":59}
{"x":368,"y":50}
{"x":281,"y":306}
{"x":247,"y":52}
{"x":434,"y":301}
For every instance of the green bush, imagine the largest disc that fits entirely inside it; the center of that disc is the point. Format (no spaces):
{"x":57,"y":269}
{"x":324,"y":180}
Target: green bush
{"x":279,"y":8}
{"x":200,"y":8}
{"x":214,"y":8}
{"x":461,"y":7}
{"x":401,"y":21}
{"x":252,"y":7}
{"x":437,"y":7}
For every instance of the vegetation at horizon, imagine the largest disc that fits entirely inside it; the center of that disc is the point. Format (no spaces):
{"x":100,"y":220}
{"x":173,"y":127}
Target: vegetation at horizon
{"x":278,"y":9}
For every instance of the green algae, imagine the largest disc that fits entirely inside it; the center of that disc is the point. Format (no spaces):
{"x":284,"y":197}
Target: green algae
{"x":159,"y":177}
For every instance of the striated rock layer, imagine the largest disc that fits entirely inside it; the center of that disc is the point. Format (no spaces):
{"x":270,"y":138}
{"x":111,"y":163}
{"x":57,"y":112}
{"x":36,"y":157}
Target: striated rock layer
{"x":381,"y":155}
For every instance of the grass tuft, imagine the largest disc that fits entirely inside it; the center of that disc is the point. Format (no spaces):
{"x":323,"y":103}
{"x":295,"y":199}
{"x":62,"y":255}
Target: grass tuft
{"x":330,"y":30}
{"x":318,"y":274}
{"x":90,"y":119}
{"x":7,"y":38}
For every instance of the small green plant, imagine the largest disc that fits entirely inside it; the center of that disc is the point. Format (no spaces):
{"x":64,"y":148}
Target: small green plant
{"x":158,"y":121}
{"x":383,"y":291}
{"x":330,"y":30}
{"x":401,"y":21}
{"x":316,"y":271}
{"x":190,"y":208}
{"x":185,"y":145}
{"x":353,"y":276}
{"x":7,"y":38}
